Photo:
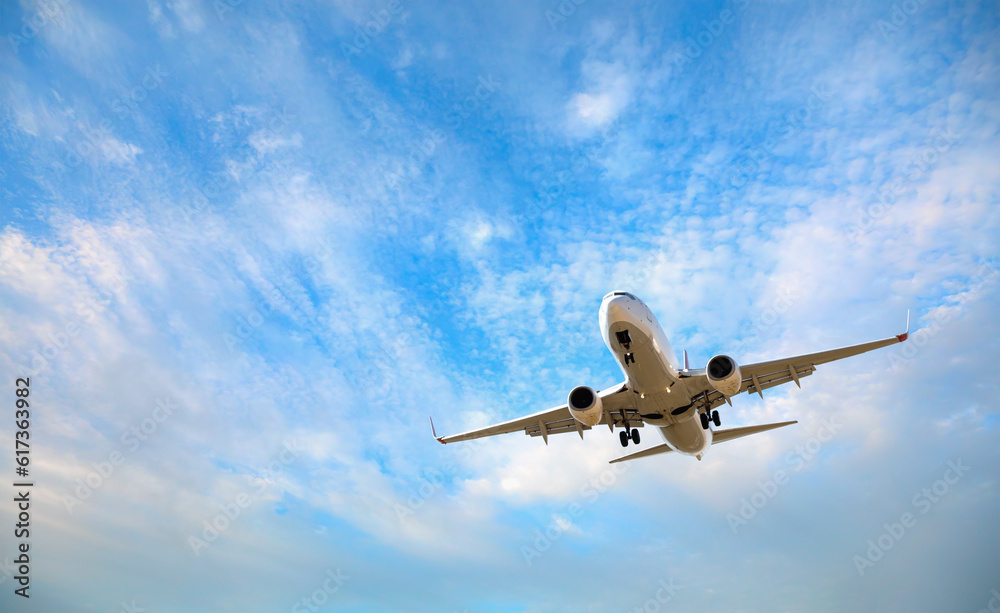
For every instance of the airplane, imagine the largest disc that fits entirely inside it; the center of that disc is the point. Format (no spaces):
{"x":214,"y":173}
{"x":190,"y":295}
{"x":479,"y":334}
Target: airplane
{"x":676,"y":399}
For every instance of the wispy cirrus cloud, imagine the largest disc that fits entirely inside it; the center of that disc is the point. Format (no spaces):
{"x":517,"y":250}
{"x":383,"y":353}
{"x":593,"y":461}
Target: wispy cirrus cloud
{"x":267,"y":239}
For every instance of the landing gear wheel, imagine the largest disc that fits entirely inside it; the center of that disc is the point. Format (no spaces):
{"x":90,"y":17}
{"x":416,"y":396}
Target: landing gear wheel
{"x":623,"y":437}
{"x":715,"y":419}
{"x":704,"y":421}
{"x":635,"y":436}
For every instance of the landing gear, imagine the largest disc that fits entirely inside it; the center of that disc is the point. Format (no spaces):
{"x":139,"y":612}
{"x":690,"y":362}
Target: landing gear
{"x":624,"y":339}
{"x":627,"y":433}
{"x":712,"y":417}
{"x":625,"y":436}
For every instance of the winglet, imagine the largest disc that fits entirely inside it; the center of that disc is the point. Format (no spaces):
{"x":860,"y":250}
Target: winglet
{"x":905,"y":335}
{"x":686,"y":367}
{"x":439,"y":439}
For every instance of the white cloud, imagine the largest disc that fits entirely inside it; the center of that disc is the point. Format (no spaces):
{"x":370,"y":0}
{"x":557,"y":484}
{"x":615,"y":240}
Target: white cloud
{"x":606,"y":95}
{"x":159,"y":19}
{"x":265,"y":141}
{"x":190,"y":14}
{"x":404,"y":59}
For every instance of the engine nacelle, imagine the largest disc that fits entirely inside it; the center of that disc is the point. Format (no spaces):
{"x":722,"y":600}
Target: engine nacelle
{"x":724,"y":375}
{"x":585,"y":406}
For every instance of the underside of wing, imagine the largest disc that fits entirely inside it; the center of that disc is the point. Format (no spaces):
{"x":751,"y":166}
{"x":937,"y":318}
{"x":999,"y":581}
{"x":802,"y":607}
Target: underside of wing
{"x":760,"y":376}
{"x":616,"y":400}
{"x":787,"y":368}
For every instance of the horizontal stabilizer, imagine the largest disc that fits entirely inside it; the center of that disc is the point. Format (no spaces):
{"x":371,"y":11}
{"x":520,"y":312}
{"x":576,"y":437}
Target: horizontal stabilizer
{"x":721,"y":436}
{"x":718,"y":436}
{"x":654,"y":450}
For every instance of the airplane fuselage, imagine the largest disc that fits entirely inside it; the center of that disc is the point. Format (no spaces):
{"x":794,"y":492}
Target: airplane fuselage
{"x":655,"y":380}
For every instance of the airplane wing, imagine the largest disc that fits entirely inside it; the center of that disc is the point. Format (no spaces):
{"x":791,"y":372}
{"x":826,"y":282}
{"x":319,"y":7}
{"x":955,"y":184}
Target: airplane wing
{"x":764,"y":375}
{"x":558,"y":420}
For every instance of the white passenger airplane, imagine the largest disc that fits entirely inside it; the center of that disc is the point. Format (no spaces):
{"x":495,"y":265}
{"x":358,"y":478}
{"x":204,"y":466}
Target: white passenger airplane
{"x":656,"y":391}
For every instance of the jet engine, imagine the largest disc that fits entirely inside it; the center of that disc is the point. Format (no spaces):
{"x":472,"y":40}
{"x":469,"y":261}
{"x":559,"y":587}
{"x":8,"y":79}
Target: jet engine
{"x":585,"y":405}
{"x":724,"y":375}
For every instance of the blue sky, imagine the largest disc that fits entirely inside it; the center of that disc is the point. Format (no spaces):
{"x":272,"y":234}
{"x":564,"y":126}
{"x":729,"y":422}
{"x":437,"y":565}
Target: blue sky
{"x":246,"y":249}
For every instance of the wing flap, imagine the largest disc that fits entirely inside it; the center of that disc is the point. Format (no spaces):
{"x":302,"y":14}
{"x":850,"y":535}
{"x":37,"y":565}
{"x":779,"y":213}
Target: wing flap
{"x":775,"y":379}
{"x":555,"y":427}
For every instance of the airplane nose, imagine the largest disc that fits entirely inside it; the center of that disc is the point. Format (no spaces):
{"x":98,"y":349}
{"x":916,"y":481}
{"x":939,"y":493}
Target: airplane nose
{"x":615,"y":308}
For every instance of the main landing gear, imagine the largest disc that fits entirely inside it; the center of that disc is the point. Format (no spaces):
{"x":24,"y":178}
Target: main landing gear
{"x":628,"y":433}
{"x":714,"y":419}
{"x":624,"y":436}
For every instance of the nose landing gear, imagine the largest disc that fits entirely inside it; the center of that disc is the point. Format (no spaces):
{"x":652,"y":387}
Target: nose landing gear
{"x":624,"y":339}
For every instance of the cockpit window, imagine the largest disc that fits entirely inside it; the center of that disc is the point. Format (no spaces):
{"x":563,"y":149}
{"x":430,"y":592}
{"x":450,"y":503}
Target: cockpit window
{"x":623,"y":294}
